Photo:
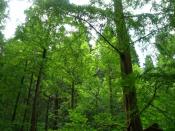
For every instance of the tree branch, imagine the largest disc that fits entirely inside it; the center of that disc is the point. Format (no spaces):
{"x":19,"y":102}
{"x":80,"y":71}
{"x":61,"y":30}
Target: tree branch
{"x":107,"y":41}
{"x":150,"y":101}
{"x":149,"y":34}
{"x":162,"y":112}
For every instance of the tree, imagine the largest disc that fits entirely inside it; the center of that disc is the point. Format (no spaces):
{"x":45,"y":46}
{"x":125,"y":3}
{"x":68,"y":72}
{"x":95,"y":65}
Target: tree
{"x":53,"y":77}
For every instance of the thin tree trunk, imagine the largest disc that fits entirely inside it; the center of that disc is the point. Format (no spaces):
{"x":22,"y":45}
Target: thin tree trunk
{"x":129,"y":90}
{"x":36,"y":95}
{"x":73,"y":95}
{"x":27,"y":102}
{"x":19,"y":94}
{"x":56,"y":107}
{"x":47,"y":114}
{"x":110,"y":91}
{"x":97,"y":93}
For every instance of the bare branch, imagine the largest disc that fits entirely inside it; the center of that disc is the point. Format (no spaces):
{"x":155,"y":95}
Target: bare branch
{"x":107,"y":41}
{"x":149,"y":34}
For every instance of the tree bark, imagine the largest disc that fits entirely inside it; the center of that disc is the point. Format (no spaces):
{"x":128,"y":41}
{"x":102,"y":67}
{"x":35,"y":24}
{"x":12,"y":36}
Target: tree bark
{"x":27,"y":102}
{"x":36,"y":95}
{"x":129,"y":90}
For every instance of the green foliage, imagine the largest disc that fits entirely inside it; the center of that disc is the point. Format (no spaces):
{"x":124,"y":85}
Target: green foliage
{"x":148,"y":63}
{"x":3,"y":5}
{"x":78,"y":120}
{"x":81,"y":85}
{"x":103,"y":119}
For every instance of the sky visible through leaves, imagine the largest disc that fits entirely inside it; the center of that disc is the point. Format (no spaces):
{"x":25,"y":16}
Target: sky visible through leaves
{"x":16,"y":17}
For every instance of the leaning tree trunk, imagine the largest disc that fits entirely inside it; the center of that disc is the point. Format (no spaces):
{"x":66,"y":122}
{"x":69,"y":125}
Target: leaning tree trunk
{"x":129,"y":90}
{"x":36,"y":95}
{"x":19,"y":94}
{"x":27,"y":102}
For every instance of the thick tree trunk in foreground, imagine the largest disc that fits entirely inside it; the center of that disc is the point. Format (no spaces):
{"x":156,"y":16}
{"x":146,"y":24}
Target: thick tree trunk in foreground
{"x":36,"y":95}
{"x":27,"y":102}
{"x":129,"y":91}
{"x":19,"y":94}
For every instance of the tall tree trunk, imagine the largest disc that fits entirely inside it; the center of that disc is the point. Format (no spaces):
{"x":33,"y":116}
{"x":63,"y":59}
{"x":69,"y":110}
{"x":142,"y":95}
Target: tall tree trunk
{"x":27,"y":102}
{"x":97,"y":96}
{"x":19,"y":94}
{"x":110,"y":91}
{"x":73,"y":95}
{"x":56,"y":107}
{"x":129,"y":90}
{"x":47,"y":114}
{"x":36,"y":95}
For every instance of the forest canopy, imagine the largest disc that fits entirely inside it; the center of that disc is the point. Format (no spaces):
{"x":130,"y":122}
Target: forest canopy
{"x":76,"y":68}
